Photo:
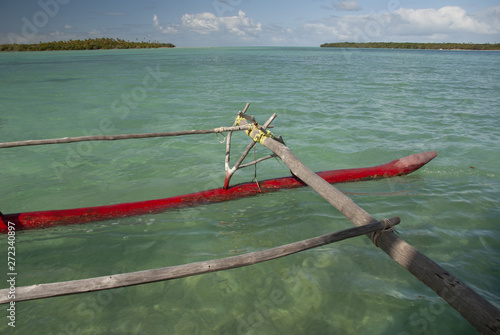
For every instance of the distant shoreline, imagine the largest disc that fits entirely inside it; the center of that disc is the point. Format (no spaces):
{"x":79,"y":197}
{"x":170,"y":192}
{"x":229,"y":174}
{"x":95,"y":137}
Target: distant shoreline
{"x":414,"y":46}
{"x":88,"y":44}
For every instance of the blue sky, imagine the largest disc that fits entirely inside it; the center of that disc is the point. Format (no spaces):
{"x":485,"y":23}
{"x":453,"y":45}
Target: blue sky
{"x":191,"y":23}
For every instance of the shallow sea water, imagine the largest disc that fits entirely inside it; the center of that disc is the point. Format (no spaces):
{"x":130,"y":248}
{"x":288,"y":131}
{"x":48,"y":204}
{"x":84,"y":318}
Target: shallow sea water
{"x":336,"y":109}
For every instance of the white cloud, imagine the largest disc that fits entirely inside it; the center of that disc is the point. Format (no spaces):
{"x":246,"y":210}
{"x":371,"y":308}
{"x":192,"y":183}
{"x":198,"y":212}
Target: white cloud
{"x":336,"y":32}
{"x":208,"y":23}
{"x":341,"y":6}
{"x":346,"y":6}
{"x":450,"y":23}
{"x":67,"y":26}
{"x":447,"y":24}
{"x":450,"y":19}
{"x":491,"y":15}
{"x":165,"y":30}
{"x":345,"y":28}
{"x":241,"y":25}
{"x":204,"y":23}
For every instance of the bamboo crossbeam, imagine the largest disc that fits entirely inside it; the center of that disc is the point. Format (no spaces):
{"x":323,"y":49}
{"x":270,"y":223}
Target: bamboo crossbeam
{"x":478,"y":311}
{"x":119,"y":137}
{"x":180,"y":271}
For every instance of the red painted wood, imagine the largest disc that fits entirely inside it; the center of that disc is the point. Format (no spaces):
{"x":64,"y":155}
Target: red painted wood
{"x":43,"y":219}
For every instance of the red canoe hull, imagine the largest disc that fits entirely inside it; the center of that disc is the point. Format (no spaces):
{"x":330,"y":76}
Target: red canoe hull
{"x":43,"y":219}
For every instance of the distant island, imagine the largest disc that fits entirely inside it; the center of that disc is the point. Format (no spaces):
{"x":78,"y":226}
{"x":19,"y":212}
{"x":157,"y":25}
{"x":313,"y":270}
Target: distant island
{"x":408,"y":45}
{"x":88,"y":44}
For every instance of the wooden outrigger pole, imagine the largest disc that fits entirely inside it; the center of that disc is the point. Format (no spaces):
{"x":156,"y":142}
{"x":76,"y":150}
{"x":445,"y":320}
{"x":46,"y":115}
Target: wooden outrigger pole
{"x":476,"y":310}
{"x":119,"y":137}
{"x":41,"y":291}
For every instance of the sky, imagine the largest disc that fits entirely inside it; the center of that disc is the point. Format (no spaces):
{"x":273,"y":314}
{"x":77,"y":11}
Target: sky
{"x":213,"y":23}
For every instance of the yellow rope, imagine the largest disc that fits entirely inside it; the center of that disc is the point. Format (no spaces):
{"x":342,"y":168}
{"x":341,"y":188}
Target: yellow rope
{"x":261,"y":136}
{"x":238,"y":120}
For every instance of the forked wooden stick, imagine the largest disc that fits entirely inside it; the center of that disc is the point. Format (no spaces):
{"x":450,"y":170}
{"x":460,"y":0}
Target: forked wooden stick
{"x":230,"y":171}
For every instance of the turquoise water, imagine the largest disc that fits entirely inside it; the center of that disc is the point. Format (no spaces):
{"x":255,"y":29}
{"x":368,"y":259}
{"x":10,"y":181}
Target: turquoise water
{"x":336,"y":109}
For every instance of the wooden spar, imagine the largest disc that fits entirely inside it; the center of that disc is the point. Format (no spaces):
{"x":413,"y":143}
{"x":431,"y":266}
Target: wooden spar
{"x":478,"y":311}
{"x":180,"y":271}
{"x":230,"y":171}
{"x":120,"y":137}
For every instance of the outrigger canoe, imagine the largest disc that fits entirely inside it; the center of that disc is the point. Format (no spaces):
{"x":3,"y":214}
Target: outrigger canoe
{"x":44,"y":219}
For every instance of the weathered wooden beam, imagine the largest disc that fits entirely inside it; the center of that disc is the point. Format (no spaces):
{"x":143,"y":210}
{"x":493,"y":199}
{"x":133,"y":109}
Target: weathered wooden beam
{"x":478,"y":311}
{"x":180,"y":271}
{"x":119,"y":137}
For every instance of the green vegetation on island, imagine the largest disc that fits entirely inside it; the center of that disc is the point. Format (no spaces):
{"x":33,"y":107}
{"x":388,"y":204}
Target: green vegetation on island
{"x":409,"y":45}
{"x":88,"y":44}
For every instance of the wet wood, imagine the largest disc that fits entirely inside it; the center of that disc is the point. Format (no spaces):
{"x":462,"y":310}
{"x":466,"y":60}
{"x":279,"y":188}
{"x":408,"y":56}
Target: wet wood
{"x":478,"y":311}
{"x":180,"y":271}
{"x":120,"y":137}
